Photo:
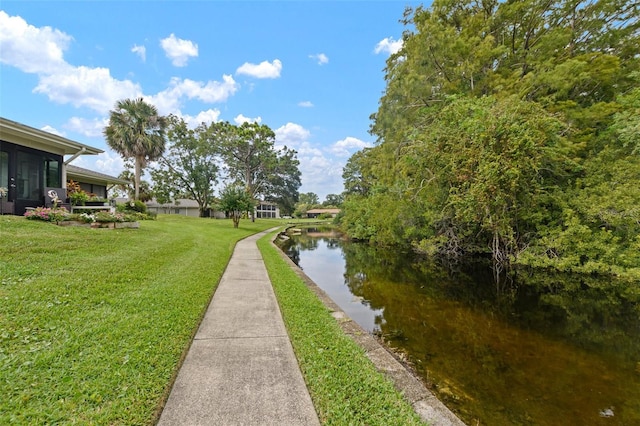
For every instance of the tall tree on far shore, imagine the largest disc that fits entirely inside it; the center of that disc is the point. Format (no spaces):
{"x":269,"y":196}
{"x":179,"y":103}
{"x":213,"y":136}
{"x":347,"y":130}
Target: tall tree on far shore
{"x":136,"y":131}
{"x":310,"y":198}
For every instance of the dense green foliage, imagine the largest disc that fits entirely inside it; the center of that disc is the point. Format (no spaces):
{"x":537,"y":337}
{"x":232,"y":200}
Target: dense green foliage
{"x":508,"y":128}
{"x":235,"y":201}
{"x":93,"y":323}
{"x":344,"y":384}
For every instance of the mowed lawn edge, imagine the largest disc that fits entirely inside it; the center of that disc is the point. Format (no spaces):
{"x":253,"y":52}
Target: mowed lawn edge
{"x":345,"y":386}
{"x":94,"y":322}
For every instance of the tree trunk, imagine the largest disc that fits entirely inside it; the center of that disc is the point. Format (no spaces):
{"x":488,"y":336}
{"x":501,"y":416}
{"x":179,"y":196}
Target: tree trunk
{"x":249,"y":186}
{"x":136,"y":182}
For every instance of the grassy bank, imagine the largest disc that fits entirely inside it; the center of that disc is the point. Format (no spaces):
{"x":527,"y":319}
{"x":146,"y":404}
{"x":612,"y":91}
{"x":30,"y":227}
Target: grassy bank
{"x":345,"y":386}
{"x":93,"y":322}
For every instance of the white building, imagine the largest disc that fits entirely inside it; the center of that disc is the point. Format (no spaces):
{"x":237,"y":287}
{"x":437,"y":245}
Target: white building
{"x":186,"y":207}
{"x":267,"y":210}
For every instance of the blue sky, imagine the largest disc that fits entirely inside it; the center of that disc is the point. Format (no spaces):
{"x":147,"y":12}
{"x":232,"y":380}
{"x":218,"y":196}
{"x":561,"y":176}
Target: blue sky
{"x":312,"y":71}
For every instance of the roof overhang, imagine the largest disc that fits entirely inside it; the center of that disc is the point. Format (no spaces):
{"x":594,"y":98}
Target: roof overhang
{"x":20,"y":134}
{"x":89,"y":176}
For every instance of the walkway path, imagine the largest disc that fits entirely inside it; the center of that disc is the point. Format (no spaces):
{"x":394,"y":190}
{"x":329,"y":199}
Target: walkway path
{"x":241,"y":368}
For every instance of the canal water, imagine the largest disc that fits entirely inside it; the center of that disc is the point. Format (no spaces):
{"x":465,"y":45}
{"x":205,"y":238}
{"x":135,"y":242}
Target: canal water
{"x":531,"y":349}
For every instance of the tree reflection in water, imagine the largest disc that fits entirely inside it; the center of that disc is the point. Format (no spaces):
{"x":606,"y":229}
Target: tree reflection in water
{"x":537,"y":348}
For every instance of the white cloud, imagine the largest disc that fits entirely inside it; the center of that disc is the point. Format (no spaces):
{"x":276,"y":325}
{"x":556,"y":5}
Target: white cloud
{"x":179,"y":50}
{"x":88,"y":127}
{"x":141,"y":51}
{"x":40,"y":51}
{"x":240,"y":119}
{"x":264,"y":69}
{"x":109,"y":163}
{"x":321,"y":172}
{"x":169,"y":100}
{"x":31,"y":49}
{"x":343,"y":147}
{"x":209,"y":116}
{"x":215,"y":91}
{"x":388,"y":45}
{"x":87,"y":87}
{"x":52,"y":130}
{"x":321,"y":58}
{"x":291,"y":134}
{"x":305,"y":104}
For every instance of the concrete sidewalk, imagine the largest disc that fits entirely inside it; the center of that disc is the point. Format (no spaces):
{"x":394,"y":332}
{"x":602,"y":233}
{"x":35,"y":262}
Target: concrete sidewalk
{"x":241,"y":369}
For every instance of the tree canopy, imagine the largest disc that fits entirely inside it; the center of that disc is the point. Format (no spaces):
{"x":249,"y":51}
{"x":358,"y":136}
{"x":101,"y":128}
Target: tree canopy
{"x":136,"y":131}
{"x":190,"y":168}
{"x":129,"y":189}
{"x":236,"y":201}
{"x":309,"y":198}
{"x":507,"y":128}
{"x":245,"y":156}
{"x":334,"y":200}
{"x":251,"y":159}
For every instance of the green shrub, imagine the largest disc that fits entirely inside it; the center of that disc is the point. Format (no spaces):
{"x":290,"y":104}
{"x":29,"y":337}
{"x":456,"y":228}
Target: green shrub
{"x":132,"y":206}
{"x":107,"y":217}
{"x":136,"y":216}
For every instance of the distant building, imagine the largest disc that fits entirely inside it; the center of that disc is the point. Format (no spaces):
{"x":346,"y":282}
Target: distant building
{"x":314,"y":213}
{"x":186,"y":207}
{"x":183,"y":207}
{"x":267,"y":210}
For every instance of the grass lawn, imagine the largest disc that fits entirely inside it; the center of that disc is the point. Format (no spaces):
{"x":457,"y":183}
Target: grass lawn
{"x":93,"y":322}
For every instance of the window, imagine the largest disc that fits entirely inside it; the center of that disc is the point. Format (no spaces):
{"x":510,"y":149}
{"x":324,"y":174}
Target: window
{"x":4,"y":169}
{"x":52,"y":173}
{"x":100,"y":190}
{"x":29,"y":177}
{"x":266,"y":207}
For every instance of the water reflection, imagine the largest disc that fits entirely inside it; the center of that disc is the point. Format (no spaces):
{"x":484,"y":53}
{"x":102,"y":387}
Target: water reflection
{"x":317,"y":252}
{"x":542,"y":349}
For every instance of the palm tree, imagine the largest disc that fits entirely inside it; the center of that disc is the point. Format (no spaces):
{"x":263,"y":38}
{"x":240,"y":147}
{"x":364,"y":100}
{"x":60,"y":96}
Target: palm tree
{"x":136,"y":131}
